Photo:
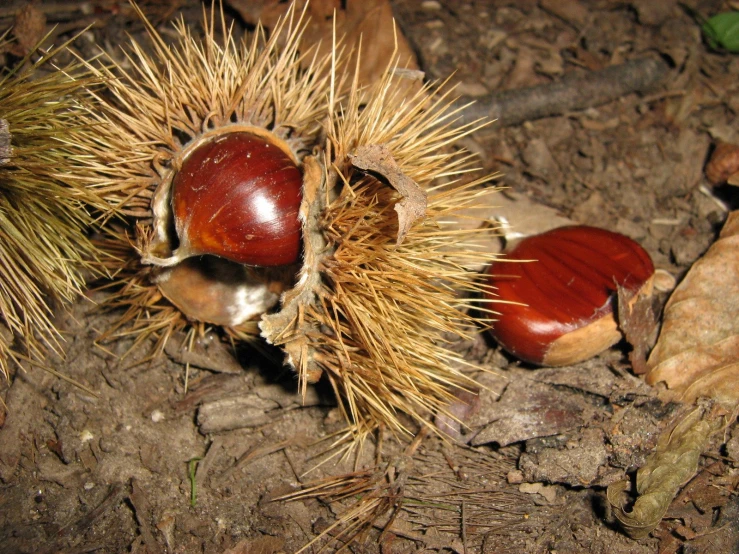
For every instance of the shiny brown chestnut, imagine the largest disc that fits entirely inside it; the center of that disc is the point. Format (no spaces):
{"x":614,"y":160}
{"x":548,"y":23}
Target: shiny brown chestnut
{"x":236,"y":196}
{"x":555,"y":293}
{"x":226,"y":237}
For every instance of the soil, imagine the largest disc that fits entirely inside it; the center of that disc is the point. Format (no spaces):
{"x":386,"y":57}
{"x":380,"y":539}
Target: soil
{"x":155,"y":457}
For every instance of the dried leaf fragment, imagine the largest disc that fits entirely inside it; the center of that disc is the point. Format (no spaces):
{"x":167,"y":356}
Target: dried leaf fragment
{"x":378,"y":158}
{"x":355,"y":22}
{"x":572,"y":11}
{"x":697,"y":353}
{"x":674,"y":463}
{"x":724,"y":164}
{"x":29,"y":28}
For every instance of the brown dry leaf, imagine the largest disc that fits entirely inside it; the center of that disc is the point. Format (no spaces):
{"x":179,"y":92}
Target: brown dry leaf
{"x":530,"y":409}
{"x":29,"y":28}
{"x":369,"y":22}
{"x":674,"y":463}
{"x":572,"y":11}
{"x":378,"y":158}
{"x":724,"y":164}
{"x":697,"y":353}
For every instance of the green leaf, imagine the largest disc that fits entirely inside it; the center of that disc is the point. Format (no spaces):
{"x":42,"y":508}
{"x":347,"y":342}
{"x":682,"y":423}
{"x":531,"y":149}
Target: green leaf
{"x":722,"y":31}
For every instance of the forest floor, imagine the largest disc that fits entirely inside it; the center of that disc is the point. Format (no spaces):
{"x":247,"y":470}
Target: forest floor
{"x":140,"y":466}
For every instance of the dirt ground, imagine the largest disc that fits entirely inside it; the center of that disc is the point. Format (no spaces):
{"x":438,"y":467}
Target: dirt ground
{"x":146,"y":465}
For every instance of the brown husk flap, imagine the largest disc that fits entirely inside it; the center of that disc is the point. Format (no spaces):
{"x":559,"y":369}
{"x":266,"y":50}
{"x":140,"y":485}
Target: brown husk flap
{"x":378,"y":158}
{"x":289,"y":326}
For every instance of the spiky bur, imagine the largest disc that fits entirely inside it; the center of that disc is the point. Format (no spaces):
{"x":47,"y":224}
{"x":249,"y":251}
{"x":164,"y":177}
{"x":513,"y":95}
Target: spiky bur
{"x":379,"y":293}
{"x":45,"y":204}
{"x":167,"y":98}
{"x":376,"y":294}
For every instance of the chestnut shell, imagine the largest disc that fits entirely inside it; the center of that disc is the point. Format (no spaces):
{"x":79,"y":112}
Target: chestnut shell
{"x":237,"y":197}
{"x":566,"y":280}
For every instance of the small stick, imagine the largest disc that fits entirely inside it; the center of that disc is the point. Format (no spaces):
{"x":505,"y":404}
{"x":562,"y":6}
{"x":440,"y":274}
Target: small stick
{"x":574,"y":91}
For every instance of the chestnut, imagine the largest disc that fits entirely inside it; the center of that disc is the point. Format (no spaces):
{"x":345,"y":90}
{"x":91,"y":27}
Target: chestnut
{"x":555,"y":293}
{"x":235,"y":195}
{"x":226,"y":238}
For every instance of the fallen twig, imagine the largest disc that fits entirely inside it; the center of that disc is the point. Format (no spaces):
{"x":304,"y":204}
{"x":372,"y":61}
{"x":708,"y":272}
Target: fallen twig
{"x":574,"y":91}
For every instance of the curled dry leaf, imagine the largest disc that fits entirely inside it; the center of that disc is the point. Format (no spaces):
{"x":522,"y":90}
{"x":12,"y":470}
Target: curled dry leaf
{"x":368,"y":21}
{"x":29,"y":29}
{"x":697,"y":353}
{"x":378,"y":158}
{"x":724,"y":164}
{"x":673,"y":463}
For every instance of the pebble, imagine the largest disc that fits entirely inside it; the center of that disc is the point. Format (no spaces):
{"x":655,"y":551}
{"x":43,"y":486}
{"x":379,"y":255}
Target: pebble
{"x":664,"y":281}
{"x":431,"y":5}
{"x":515,"y":477}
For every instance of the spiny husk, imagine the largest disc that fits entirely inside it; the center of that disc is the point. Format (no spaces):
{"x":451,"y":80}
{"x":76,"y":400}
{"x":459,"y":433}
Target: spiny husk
{"x":45,"y":204}
{"x":163,"y":97}
{"x":371,"y":309}
{"x":370,"y":313}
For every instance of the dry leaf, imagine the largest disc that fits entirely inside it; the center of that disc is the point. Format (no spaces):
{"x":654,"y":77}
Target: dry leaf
{"x":29,"y":28}
{"x":369,"y":22}
{"x":377,"y":158}
{"x":516,"y":216}
{"x":572,"y":11}
{"x":724,"y":164}
{"x":674,"y":463}
{"x":697,"y":353}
